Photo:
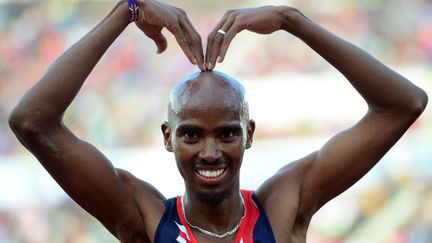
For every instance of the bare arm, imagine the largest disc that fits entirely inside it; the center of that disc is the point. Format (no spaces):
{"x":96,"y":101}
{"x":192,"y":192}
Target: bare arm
{"x":394,"y":104}
{"x":80,"y":169}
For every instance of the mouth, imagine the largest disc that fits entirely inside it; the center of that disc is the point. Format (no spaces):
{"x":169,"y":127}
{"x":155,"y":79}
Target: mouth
{"x":210,"y":173}
{"x":211,"y":176}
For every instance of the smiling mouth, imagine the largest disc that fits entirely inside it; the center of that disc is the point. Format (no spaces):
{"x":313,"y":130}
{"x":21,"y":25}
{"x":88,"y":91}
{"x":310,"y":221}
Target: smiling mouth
{"x":210,"y":174}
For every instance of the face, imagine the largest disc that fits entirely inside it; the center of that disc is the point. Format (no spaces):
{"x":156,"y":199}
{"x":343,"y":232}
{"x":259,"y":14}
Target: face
{"x":208,"y":138}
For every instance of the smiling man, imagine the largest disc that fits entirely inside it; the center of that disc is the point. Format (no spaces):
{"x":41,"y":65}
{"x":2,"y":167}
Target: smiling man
{"x":207,"y":116}
{"x":208,"y":130}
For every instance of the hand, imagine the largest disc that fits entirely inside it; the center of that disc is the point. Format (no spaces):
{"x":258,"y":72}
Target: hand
{"x":154,"y":16}
{"x":262,"y":20}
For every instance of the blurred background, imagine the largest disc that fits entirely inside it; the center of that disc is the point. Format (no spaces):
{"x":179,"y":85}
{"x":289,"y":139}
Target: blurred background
{"x":123,"y":103}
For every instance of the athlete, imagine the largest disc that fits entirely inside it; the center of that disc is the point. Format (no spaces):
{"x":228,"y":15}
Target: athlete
{"x":208,"y":130}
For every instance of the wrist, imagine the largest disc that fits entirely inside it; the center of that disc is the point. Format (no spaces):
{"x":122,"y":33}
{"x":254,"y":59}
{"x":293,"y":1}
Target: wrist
{"x":133,"y":10}
{"x":121,"y":11}
{"x":292,"y":20}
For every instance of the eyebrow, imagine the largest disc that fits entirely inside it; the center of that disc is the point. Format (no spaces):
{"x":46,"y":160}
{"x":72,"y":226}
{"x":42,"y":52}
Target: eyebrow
{"x":188,"y":127}
{"x":192,"y":127}
{"x":229,"y":127}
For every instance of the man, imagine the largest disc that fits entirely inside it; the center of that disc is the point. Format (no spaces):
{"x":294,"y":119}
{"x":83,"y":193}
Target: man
{"x":208,"y":130}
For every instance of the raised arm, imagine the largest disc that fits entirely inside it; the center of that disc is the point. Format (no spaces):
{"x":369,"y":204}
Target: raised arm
{"x":394,"y":104}
{"x":81,"y":170}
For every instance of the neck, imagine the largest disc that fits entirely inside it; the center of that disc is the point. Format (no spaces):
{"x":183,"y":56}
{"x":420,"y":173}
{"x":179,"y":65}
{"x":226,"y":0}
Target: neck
{"x":219,"y":217}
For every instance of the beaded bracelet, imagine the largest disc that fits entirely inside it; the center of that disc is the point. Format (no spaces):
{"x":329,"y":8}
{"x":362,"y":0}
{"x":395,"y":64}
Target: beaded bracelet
{"x":133,"y":10}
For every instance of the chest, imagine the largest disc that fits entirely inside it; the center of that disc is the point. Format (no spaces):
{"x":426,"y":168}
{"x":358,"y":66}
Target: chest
{"x":202,"y":238}
{"x":253,"y":228}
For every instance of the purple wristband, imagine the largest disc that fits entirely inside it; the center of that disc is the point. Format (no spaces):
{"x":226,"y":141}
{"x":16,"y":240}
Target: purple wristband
{"x":133,"y":10}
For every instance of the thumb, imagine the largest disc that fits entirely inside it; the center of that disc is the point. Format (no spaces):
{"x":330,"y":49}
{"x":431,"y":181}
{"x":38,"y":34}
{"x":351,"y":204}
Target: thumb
{"x":155,"y":33}
{"x":160,"y":41}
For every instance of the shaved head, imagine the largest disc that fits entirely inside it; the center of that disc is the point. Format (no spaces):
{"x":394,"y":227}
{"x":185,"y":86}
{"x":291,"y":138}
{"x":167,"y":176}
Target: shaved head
{"x":208,"y":91}
{"x":208,"y":130}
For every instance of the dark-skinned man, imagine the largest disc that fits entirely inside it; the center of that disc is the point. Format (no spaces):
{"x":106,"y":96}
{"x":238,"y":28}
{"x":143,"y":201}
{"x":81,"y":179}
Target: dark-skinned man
{"x":208,"y":130}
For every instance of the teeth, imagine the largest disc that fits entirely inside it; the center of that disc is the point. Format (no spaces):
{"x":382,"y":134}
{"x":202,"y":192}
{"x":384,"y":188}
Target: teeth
{"x":211,"y":173}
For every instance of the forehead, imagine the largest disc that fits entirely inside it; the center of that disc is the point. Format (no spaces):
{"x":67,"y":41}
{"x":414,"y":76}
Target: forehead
{"x":209,"y":109}
{"x":208,"y":96}
{"x":207,"y":118}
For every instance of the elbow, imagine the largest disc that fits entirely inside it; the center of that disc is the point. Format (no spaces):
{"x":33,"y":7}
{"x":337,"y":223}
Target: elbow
{"x":21,"y":124}
{"x":407,"y":107}
{"x":27,"y":124}
{"x":419,"y":103}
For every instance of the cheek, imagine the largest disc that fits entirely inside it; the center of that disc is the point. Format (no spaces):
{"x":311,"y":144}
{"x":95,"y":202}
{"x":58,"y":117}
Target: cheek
{"x":235,"y":152}
{"x":181,"y":162}
{"x":184,"y":154}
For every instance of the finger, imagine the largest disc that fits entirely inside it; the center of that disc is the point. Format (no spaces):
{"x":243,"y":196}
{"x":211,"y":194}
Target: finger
{"x":182,"y":41}
{"x":228,"y":28}
{"x":194,"y":40}
{"x":155,"y":33}
{"x":230,"y":34}
{"x":217,"y":42}
{"x":210,"y":49}
{"x":159,"y":39}
{"x":213,"y":50}
{"x":161,"y":42}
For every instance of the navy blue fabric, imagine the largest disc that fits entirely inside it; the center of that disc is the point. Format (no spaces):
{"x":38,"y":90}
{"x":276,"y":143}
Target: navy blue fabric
{"x":167,"y":230}
{"x":263,"y":232}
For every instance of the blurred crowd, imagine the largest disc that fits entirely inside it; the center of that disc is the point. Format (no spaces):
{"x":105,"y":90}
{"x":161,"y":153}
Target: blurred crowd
{"x":124,"y":97}
{"x":64,"y":223}
{"x":385,"y":212}
{"x":33,"y":34}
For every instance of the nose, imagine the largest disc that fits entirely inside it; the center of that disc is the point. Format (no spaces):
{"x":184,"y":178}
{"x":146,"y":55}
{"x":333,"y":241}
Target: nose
{"x":210,"y":151}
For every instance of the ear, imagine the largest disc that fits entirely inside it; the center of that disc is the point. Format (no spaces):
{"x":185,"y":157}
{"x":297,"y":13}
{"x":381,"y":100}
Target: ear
{"x":250,"y":131}
{"x":166,"y":132}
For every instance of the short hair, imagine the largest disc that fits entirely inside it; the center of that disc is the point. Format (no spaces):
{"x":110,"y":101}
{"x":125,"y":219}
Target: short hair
{"x":193,"y":84}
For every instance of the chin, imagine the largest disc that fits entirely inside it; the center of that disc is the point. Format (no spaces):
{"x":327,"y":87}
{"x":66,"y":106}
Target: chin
{"x":213,"y":197}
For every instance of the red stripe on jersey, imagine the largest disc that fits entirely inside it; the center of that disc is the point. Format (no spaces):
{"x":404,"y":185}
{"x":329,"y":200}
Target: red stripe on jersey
{"x":247,"y":226}
{"x":252,"y":214}
{"x":183,"y":221}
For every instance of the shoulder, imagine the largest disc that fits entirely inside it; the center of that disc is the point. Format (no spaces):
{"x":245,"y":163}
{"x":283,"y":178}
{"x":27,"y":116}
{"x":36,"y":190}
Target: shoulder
{"x":148,"y":200}
{"x":287,"y":181}
{"x":146,"y":196}
{"x":280,"y":196}
{"x":137,"y":186}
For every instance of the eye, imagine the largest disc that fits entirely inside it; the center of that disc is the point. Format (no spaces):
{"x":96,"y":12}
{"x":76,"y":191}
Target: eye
{"x":227,"y":136}
{"x":191,"y":135}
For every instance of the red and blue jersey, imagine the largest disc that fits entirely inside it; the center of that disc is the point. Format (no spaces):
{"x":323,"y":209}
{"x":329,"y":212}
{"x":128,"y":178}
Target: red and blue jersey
{"x":255,"y":227}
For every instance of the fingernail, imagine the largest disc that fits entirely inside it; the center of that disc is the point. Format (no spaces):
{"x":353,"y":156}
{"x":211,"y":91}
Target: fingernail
{"x":194,"y":61}
{"x":208,"y":65}
{"x":219,"y":59}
